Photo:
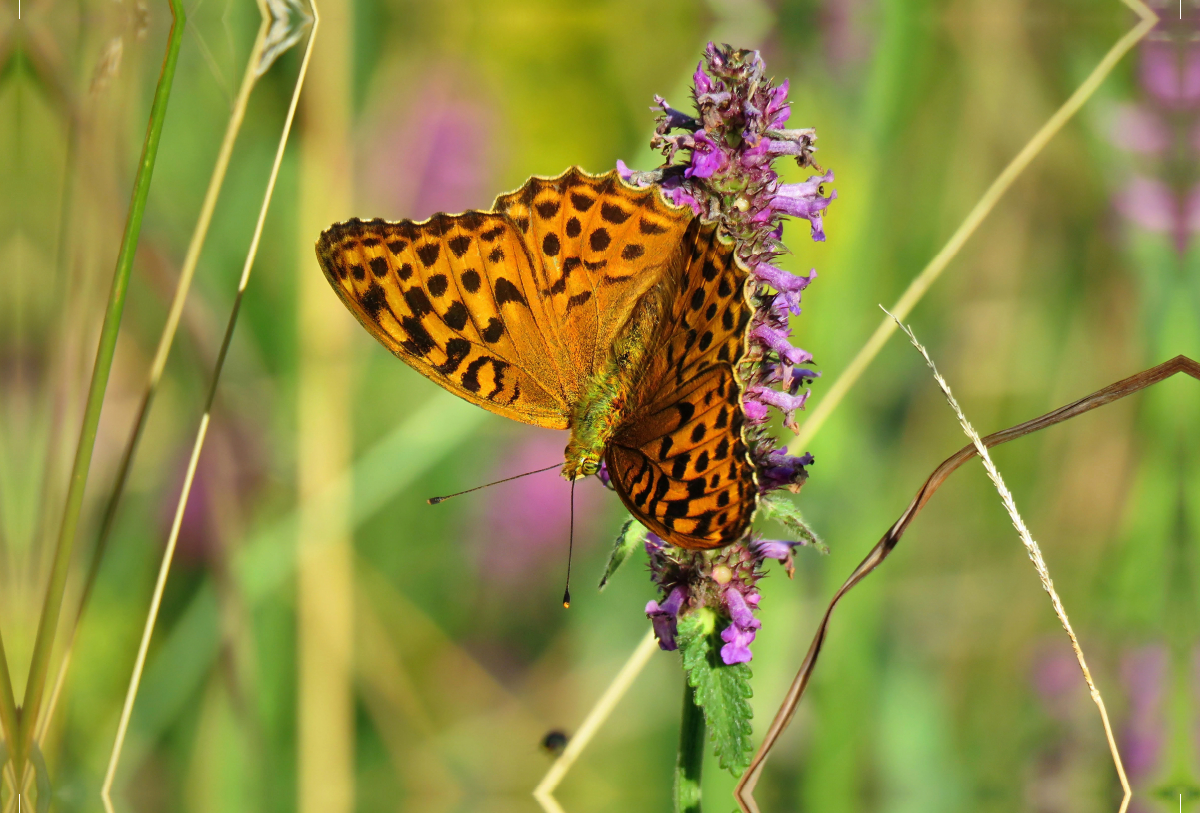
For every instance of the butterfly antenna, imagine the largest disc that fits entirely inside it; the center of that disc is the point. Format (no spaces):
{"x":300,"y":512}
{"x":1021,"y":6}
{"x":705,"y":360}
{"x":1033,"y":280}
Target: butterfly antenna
{"x":436,"y":500}
{"x":570,"y":550}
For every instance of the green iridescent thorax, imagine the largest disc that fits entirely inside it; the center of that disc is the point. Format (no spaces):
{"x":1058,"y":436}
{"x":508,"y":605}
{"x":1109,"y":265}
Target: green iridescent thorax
{"x":606,"y":401}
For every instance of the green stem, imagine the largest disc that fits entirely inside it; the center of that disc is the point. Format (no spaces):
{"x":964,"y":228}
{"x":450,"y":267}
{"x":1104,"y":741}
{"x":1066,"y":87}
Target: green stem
{"x":690,"y":760}
{"x":48,"y":622}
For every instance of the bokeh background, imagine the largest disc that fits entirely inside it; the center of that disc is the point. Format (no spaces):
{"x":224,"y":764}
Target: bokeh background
{"x":329,"y":642}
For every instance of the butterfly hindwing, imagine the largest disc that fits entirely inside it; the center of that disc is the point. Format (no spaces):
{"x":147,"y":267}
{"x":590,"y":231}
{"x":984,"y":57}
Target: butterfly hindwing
{"x":686,"y":475}
{"x":601,"y":243}
{"x":680,"y":462}
{"x":456,"y":298}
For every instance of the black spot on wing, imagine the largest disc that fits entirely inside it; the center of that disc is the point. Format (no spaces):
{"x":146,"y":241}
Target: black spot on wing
{"x":491,"y":234}
{"x":550,"y":245}
{"x":470,"y":378}
{"x":405,"y":272}
{"x":373,"y":300}
{"x":456,"y":317}
{"x":611,"y":213}
{"x":507,"y":292}
{"x":493,"y":331}
{"x":496,"y":255}
{"x":578,"y":299}
{"x":358,"y":272}
{"x":459,"y":244}
{"x":679,"y":467}
{"x":420,"y":342}
{"x":599,"y":239}
{"x":581,"y":202}
{"x":573,"y":227}
{"x":396,"y":246}
{"x":438,"y":284}
{"x":547,"y":209}
{"x":417,"y":302}
{"x":456,"y":351}
{"x":650,"y":227}
{"x":379,"y":266}
{"x":632,"y":251}
{"x":470,"y":280}
{"x":428,"y":253}
{"x":664,"y":448}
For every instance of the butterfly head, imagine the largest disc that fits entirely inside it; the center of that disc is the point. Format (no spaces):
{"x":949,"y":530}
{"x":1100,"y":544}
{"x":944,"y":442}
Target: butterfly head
{"x":581,"y":465}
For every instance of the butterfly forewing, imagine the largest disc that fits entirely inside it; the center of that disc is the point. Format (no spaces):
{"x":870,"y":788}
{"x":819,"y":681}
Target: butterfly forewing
{"x":601,"y":244}
{"x":680,"y":463}
{"x":456,"y":297}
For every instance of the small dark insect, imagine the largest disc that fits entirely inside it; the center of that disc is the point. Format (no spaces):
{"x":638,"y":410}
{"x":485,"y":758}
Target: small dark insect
{"x":554,"y":743}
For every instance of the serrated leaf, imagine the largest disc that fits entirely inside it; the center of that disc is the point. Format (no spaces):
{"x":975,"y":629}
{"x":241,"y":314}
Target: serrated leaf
{"x":723,"y":691}
{"x":632,"y":534}
{"x":778,"y":507}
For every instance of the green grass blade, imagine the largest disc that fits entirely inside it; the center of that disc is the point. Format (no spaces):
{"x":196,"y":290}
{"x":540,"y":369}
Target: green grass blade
{"x":52,"y":607}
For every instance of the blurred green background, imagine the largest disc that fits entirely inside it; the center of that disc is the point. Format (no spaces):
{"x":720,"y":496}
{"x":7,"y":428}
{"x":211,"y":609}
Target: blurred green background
{"x":329,"y":642}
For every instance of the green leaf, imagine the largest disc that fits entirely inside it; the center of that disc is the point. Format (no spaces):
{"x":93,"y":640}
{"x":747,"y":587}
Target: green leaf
{"x":632,"y":534}
{"x":722,"y":691}
{"x":778,"y":507}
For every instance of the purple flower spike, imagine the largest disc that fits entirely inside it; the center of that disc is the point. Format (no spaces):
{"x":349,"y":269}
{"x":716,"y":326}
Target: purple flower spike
{"x":741,"y":631}
{"x":777,"y":340}
{"x":674,"y":119}
{"x":755,"y":411}
{"x":787,"y":404}
{"x":778,"y":549}
{"x":720,"y":161}
{"x":665,"y":618}
{"x":778,"y":110}
{"x":805,"y":200}
{"x":737,"y":645}
{"x":739,"y":610}
{"x":788,"y":285}
{"x":707,"y":158}
{"x":781,"y":470}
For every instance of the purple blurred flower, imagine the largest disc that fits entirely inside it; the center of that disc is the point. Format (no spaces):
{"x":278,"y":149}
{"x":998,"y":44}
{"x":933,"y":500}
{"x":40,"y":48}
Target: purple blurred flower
{"x":510,"y":548}
{"x":1143,"y":672}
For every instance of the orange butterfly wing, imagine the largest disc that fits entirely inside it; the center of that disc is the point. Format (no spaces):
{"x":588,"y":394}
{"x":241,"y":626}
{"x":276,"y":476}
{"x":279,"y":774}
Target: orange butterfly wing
{"x":457,"y":298}
{"x":680,"y":463}
{"x":602,"y":243}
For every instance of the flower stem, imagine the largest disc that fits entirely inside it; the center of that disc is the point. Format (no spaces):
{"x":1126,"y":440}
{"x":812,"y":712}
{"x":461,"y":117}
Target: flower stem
{"x":690,"y":760}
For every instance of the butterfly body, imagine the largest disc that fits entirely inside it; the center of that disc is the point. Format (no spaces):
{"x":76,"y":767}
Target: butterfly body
{"x":582,"y":303}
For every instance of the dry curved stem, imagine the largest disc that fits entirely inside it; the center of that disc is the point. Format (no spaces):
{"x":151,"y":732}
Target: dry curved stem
{"x":1113,"y":392}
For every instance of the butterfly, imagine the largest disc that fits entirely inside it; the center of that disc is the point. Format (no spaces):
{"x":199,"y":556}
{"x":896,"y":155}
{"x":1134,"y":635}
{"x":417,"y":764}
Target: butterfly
{"x":578,"y":302}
